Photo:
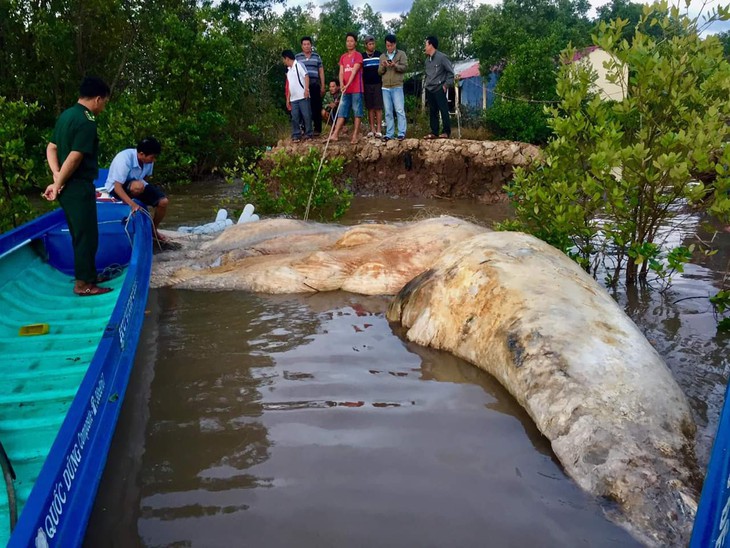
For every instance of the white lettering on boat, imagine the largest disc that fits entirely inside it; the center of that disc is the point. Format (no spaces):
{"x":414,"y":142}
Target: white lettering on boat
{"x":72,"y":462}
{"x":724,"y":526}
{"x":124,"y":324}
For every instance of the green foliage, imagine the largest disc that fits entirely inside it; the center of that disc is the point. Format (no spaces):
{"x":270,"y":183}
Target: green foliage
{"x":505,"y":28}
{"x":17,"y":167}
{"x":721,"y":305}
{"x":287,"y":188}
{"x":193,"y":74}
{"x":621,"y":9}
{"x":517,"y":121}
{"x":337,"y":18}
{"x":445,"y":19}
{"x":615,"y":173}
{"x":527,"y":36}
{"x":526,"y":86}
{"x":724,"y":38}
{"x":371,"y":24}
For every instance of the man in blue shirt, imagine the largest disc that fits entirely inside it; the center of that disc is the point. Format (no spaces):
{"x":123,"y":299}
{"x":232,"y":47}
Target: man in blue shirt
{"x":127,"y":179}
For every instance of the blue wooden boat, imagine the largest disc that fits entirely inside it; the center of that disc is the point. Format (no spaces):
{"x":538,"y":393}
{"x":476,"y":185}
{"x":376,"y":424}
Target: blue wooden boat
{"x":65,"y":365}
{"x":712,"y":524}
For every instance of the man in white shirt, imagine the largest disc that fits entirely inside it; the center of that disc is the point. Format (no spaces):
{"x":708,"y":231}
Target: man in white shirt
{"x":127,"y":179}
{"x":297,"y":97}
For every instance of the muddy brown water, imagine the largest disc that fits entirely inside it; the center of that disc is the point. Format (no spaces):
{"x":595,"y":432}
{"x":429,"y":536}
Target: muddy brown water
{"x":255,"y":420}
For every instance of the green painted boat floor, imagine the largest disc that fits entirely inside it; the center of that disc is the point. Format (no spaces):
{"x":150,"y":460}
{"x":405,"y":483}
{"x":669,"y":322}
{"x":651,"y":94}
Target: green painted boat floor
{"x":41,"y":373}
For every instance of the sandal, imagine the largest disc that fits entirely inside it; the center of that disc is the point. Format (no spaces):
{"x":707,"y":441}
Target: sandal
{"x":92,"y":290}
{"x":443,"y":136}
{"x":430,"y":136}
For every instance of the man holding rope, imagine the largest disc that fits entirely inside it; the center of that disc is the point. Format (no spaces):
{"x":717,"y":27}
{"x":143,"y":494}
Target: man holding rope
{"x":352,"y":88}
{"x":128,"y":176}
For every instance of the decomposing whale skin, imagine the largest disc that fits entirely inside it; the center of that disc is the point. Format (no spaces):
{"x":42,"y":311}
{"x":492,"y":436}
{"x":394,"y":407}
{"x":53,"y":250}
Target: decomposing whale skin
{"x":525,"y":313}
{"x":289,"y":256}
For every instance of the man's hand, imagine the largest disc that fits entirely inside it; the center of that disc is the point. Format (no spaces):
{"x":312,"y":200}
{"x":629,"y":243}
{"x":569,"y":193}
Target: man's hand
{"x":306,"y":93}
{"x":288,"y":106}
{"x":52,"y":191}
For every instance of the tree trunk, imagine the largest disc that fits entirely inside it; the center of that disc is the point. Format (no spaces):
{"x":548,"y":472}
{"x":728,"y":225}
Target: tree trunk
{"x":631,"y":268}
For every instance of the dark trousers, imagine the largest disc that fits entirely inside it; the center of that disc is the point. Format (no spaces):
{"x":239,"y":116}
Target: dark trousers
{"x":78,"y":200}
{"x":438,"y":103}
{"x":315,"y":101}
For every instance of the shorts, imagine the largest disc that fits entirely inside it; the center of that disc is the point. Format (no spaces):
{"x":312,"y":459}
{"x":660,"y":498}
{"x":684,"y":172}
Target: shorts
{"x":151,"y":195}
{"x":350,"y":99}
{"x":374,"y":96}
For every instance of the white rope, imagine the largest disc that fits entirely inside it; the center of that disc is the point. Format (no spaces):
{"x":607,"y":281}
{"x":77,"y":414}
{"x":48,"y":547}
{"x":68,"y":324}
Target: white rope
{"x":321,"y":160}
{"x":149,"y":216}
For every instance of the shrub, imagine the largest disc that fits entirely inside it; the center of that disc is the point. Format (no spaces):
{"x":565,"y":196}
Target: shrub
{"x":616,"y":172}
{"x":518,"y":121}
{"x":16,"y":164}
{"x":286,"y":190}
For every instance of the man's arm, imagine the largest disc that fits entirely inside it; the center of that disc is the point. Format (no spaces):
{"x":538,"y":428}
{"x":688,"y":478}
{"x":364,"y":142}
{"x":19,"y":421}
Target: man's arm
{"x":449,"y":71}
{"x":52,"y":157}
{"x":342,"y":77}
{"x":306,"y":85}
{"x":122,"y":194}
{"x":355,"y":68}
{"x":63,"y":173}
{"x":321,"y":80}
{"x":402,"y":64}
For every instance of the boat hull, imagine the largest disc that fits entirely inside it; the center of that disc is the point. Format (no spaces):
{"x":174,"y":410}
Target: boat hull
{"x":80,"y":368}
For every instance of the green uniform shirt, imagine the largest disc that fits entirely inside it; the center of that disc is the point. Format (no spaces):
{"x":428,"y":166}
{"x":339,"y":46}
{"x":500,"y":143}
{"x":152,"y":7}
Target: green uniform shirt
{"x":76,"y":130}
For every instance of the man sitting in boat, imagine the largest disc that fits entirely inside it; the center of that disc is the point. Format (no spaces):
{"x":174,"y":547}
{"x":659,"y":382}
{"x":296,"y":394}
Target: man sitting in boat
{"x":127,"y":179}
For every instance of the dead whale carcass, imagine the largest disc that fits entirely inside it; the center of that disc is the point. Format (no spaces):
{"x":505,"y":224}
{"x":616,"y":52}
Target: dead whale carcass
{"x":524,"y":312}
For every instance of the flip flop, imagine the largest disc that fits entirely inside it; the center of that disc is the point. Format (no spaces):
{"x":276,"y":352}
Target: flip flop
{"x":430,"y":136}
{"x":443,"y":136}
{"x":92,"y":290}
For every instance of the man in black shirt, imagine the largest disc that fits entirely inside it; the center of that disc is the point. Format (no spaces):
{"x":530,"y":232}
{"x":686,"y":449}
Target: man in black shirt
{"x":373,"y":87}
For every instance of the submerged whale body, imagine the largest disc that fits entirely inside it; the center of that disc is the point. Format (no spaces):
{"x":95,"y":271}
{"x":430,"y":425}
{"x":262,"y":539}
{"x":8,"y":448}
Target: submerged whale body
{"x":513,"y":306}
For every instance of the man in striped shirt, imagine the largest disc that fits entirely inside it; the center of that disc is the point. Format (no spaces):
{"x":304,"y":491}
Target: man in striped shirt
{"x":315,"y":69}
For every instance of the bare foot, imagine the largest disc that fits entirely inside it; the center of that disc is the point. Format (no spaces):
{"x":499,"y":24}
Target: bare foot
{"x":335,"y":137}
{"x":353,"y":140}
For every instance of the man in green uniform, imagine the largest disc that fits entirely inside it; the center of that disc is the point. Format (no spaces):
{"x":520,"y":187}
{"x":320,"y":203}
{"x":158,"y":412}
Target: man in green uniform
{"x":72,"y":157}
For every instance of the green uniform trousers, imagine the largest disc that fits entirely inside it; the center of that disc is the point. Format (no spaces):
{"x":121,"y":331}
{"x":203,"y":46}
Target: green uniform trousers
{"x":78,"y":200}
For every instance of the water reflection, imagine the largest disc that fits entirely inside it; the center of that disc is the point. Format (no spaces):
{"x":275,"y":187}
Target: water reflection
{"x":305,"y":421}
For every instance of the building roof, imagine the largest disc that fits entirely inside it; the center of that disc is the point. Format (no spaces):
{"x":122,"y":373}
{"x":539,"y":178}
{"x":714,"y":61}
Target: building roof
{"x":466,"y":69}
{"x":585,"y":52}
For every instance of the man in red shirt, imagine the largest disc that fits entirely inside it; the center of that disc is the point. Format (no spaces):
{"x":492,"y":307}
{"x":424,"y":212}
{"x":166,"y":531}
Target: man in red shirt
{"x":351,"y":87}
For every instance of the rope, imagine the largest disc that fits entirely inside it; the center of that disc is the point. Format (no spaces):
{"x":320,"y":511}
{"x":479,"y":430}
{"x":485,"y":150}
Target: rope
{"x":321,"y":160}
{"x":503,"y":96}
{"x":154,"y":231}
{"x":519,"y":99}
{"x":9,"y":475}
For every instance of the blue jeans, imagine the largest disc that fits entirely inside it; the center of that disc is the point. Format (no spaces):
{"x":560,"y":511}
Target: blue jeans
{"x":301,"y":115}
{"x":393,"y":100}
{"x":348,"y":100}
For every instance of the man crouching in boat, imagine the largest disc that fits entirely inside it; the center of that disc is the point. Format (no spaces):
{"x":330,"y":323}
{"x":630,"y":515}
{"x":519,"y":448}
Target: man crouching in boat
{"x":127,"y":179}
{"x":72,"y":156}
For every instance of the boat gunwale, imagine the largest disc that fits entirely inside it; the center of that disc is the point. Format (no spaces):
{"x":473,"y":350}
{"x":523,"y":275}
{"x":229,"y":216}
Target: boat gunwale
{"x":55,"y":509}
